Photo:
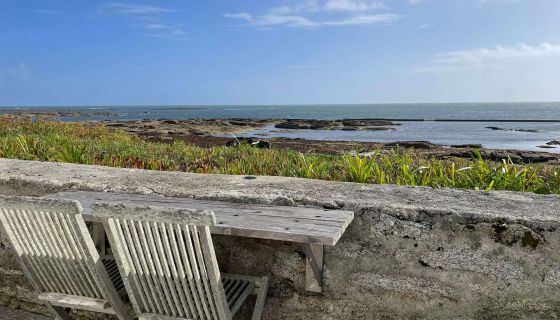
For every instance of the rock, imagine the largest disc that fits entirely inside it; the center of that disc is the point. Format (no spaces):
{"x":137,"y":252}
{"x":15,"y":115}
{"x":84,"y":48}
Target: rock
{"x":347,"y":124}
{"x":537,"y":157}
{"x":350,"y":128}
{"x":170,"y":121}
{"x":411,"y":144}
{"x":518,"y":130}
{"x":366,"y":122}
{"x":238,"y":141}
{"x":240,"y":123}
{"x":378,"y":129}
{"x":553,"y":143}
{"x":547,"y":147}
{"x":473,"y":146}
{"x":261,"y":144}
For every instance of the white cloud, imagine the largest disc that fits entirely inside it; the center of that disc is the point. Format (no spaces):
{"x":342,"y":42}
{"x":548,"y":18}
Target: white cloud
{"x":498,"y":52}
{"x":479,"y":1}
{"x":328,"y":5}
{"x":133,"y":9}
{"x":241,"y":15}
{"x":425,"y":26}
{"x":160,"y":30}
{"x":301,"y":7}
{"x":496,"y":57}
{"x":353,"y":5}
{"x":315,"y":13}
{"x":149,"y":19}
{"x":275,"y":20}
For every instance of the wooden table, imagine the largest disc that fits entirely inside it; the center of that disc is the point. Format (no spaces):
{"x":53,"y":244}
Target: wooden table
{"x":312,"y":227}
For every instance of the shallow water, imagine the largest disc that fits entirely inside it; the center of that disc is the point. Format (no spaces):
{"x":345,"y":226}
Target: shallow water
{"x":447,"y":133}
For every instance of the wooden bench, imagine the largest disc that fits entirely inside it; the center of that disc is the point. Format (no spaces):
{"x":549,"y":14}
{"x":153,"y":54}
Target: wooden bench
{"x":312,"y":227}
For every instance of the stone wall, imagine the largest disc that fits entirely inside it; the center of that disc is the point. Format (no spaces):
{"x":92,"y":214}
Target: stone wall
{"x":411,"y":253}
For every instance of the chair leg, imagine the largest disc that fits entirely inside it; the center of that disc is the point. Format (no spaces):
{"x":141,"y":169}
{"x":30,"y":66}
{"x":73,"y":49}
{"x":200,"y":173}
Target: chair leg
{"x":261,"y":297}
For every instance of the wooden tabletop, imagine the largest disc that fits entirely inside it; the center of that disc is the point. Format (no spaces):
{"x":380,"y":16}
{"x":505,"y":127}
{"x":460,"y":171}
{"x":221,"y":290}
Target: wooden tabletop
{"x":296,"y":224}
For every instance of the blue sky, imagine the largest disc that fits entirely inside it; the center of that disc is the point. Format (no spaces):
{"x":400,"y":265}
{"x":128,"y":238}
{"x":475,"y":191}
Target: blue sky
{"x":55,"y":52}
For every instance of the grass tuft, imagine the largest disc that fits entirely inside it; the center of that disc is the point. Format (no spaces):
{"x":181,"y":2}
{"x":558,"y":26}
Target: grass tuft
{"x":94,"y":144}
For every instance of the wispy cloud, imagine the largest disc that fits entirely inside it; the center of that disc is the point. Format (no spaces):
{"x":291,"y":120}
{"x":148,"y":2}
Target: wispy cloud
{"x":353,"y":5}
{"x":499,"y":52}
{"x":133,"y":9}
{"x":315,"y":14}
{"x":160,"y":30}
{"x":425,"y":26}
{"x":149,"y":19}
{"x":328,"y":5}
{"x":274,"y":20}
{"x":478,"y":1}
{"x":47,"y":12}
{"x":497,"y":56}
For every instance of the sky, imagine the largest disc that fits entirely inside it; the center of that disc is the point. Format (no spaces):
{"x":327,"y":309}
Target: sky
{"x":187,"y":52}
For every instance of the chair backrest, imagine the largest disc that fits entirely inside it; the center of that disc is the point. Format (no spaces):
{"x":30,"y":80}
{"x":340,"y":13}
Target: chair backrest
{"x":47,"y":238}
{"x":167,"y":260}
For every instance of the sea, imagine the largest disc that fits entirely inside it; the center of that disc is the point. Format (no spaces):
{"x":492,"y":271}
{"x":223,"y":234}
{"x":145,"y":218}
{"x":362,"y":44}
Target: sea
{"x":520,"y":125}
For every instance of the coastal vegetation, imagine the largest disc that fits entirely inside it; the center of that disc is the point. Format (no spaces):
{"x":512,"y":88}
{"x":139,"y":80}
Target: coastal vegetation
{"x":99,"y":145}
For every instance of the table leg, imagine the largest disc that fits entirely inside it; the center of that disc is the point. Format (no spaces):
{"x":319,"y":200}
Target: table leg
{"x":313,"y":267}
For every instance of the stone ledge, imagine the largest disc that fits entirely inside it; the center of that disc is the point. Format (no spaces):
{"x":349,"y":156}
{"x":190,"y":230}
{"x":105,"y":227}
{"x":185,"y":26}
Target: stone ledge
{"x":411,"y":253}
{"x":538,"y":212}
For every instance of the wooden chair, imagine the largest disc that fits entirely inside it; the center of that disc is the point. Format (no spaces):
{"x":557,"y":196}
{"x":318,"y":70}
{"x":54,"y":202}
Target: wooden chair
{"x":52,"y":244}
{"x":168,"y":265}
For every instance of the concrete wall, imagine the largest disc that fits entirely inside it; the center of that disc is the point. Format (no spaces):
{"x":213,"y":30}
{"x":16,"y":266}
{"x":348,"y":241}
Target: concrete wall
{"x":411,"y":253}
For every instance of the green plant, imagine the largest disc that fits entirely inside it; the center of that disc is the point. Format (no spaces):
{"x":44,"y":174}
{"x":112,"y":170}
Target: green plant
{"x":360,"y":168}
{"x":95,"y":144}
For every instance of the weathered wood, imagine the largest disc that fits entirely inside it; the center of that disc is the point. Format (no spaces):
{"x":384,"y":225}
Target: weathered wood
{"x":261,"y":296}
{"x":313,"y":267}
{"x":39,"y":204}
{"x":78,"y":302}
{"x":152,"y":316}
{"x":53,"y":246}
{"x":295,"y":224}
{"x":170,"y":268}
{"x":142,"y":211}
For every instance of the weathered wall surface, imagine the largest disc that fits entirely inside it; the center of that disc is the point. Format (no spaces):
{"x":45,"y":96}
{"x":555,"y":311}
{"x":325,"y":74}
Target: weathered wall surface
{"x":411,"y":253}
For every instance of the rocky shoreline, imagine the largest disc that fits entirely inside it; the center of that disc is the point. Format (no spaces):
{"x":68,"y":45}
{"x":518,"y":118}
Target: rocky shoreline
{"x":213,"y":132}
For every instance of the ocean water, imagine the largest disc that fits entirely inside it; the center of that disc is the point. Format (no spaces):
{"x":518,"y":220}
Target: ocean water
{"x":542,"y":117}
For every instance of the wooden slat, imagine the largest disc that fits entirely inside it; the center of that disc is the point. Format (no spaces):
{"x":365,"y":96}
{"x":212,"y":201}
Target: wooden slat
{"x":296,"y":224}
{"x":90,"y":197}
{"x":190,"y":292}
{"x":56,"y":253}
{"x":79,"y":302}
{"x":177,"y":270}
{"x":153,"y":213}
{"x":143,"y":264}
{"x":179,"y":261}
{"x":198,"y":293}
{"x":152,"y":316}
